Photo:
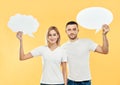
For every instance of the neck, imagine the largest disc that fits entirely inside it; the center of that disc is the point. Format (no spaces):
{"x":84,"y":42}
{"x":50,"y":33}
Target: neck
{"x":73,"y":40}
{"x":52,"y":46}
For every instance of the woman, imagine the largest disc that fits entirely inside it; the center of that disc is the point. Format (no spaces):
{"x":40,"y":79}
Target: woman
{"x":53,"y":57}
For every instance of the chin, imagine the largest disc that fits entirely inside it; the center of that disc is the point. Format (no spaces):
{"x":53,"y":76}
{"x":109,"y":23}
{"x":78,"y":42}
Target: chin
{"x":52,"y":42}
{"x":72,"y":38}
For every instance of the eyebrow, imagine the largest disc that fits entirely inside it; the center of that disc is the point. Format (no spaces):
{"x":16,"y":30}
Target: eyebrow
{"x":53,"y":33}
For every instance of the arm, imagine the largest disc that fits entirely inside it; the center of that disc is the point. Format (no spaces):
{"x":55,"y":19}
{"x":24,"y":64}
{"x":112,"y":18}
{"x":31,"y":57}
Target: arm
{"x":64,"y":71}
{"x":105,"y":47}
{"x":21,"y":52}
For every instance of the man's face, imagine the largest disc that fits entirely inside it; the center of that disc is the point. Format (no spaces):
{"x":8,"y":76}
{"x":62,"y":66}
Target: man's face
{"x":72,"y":31}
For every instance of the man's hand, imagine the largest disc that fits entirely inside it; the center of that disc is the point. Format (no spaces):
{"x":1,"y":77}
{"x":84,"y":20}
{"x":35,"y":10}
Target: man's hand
{"x":105,"y":29}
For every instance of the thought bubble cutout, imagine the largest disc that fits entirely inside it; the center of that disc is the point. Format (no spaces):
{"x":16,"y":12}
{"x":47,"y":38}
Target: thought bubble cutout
{"x":26,"y":23}
{"x":94,"y":17}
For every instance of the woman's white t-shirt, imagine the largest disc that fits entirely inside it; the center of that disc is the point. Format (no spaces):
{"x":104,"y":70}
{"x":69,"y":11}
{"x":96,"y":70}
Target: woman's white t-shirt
{"x":51,"y":72}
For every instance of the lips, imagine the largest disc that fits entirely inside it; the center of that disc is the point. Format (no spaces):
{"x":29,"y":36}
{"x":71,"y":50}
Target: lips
{"x":71,"y":34}
{"x":52,"y":39}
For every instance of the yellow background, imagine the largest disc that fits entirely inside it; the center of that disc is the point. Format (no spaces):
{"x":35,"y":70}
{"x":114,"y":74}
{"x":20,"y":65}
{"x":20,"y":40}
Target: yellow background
{"x":105,"y":69}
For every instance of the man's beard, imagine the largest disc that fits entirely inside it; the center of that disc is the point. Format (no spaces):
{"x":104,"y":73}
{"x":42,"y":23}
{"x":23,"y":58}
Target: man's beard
{"x":72,"y":38}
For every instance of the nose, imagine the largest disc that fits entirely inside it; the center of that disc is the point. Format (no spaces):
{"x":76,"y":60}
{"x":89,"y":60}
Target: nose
{"x":52,"y":36}
{"x":71,"y":31}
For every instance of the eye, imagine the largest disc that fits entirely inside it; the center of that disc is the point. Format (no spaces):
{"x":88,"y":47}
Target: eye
{"x":74,"y":29}
{"x":49,"y":35}
{"x":68,"y":29}
{"x":54,"y":34}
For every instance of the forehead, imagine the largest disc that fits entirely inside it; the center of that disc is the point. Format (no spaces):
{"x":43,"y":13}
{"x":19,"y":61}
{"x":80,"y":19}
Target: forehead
{"x":72,"y":26}
{"x":52,"y":32}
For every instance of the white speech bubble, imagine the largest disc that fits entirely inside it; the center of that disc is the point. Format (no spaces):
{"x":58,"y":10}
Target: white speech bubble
{"x":26,"y":23}
{"x":94,"y":17}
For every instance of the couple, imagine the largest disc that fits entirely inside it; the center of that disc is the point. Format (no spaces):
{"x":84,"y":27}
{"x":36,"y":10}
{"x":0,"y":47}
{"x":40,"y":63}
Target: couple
{"x":75,"y":52}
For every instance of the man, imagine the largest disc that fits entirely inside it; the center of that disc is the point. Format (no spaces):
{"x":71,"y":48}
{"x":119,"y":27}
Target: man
{"x":78,"y":51}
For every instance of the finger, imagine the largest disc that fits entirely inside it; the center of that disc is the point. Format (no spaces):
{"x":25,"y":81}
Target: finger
{"x":17,"y":34}
{"x":21,"y":32}
{"x":105,"y":27}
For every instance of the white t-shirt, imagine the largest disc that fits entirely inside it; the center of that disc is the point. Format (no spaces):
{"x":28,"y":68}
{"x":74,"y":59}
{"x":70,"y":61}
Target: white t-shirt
{"x":51,"y":72}
{"x":78,"y":58}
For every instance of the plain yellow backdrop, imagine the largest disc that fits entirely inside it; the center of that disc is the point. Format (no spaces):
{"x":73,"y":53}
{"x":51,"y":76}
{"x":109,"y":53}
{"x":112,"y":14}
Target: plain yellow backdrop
{"x":105,"y":69}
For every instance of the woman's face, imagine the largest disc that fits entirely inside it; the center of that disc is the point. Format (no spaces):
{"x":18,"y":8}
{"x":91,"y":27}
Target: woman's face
{"x":52,"y":37}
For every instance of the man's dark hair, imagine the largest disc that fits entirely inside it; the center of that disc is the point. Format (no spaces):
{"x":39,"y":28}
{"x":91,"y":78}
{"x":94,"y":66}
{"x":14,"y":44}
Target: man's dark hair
{"x":71,"y":23}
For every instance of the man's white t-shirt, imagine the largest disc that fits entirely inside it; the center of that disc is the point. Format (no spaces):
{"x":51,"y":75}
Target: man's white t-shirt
{"x":78,"y":58}
{"x":51,"y":72}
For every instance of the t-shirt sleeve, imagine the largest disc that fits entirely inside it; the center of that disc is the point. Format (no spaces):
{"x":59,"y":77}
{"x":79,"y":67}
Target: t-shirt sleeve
{"x":64,"y":56}
{"x":92,"y":45}
{"x":37,"y":51}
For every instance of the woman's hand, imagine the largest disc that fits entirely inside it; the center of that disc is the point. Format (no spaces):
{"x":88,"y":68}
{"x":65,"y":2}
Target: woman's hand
{"x":19,"y":35}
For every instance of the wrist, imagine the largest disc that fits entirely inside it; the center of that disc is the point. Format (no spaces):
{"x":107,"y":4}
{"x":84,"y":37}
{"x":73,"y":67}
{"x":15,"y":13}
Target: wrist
{"x":104,"y":34}
{"x":20,"y":40}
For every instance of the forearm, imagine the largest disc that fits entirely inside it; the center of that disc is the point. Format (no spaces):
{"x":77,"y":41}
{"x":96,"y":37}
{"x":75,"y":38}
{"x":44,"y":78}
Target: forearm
{"x":64,"y":71}
{"x":105,"y":46}
{"x":65,"y":78}
{"x":21,"y":51}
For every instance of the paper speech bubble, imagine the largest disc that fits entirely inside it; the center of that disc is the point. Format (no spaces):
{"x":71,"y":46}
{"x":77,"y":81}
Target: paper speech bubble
{"x":94,"y":17}
{"x":26,"y":23}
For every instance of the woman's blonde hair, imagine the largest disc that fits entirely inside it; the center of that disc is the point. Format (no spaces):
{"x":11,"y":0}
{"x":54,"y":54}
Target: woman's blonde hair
{"x":56,"y":30}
